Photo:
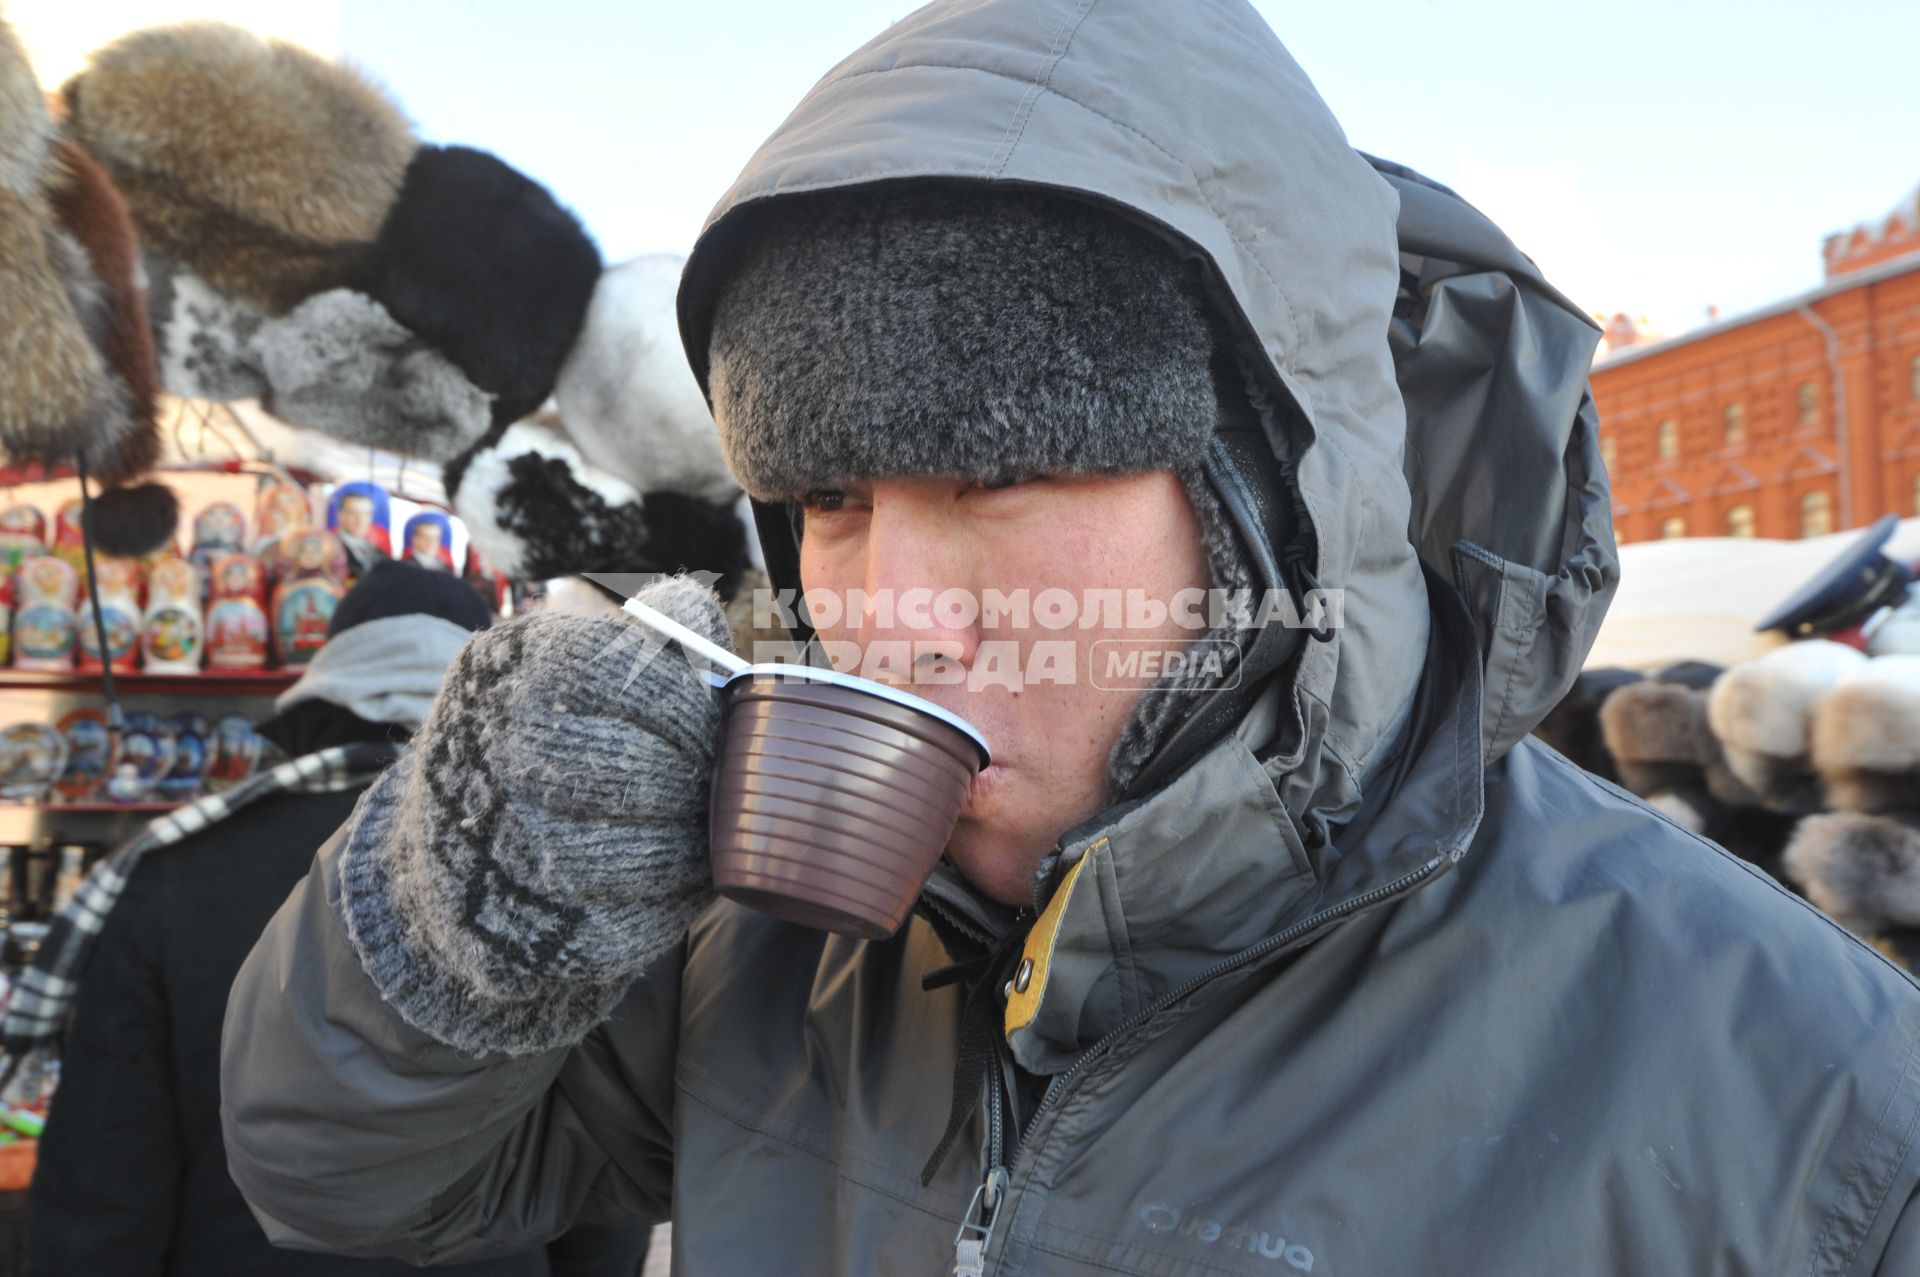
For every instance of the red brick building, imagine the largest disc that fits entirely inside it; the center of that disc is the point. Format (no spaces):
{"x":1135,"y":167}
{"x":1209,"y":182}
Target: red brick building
{"x":1794,"y":420}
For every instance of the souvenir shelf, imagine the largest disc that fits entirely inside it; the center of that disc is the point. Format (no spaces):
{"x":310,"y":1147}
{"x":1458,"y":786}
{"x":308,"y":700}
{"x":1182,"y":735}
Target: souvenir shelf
{"x":215,"y":682}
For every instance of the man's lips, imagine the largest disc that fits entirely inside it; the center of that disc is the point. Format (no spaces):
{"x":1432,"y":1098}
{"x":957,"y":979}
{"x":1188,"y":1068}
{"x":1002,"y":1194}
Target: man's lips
{"x":985,"y":781}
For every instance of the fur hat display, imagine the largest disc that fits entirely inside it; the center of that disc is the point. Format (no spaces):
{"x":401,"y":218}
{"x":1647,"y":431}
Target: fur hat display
{"x":535,"y":508}
{"x":482,"y":263}
{"x":1866,"y":737}
{"x":338,"y":363}
{"x":974,"y":332}
{"x":1762,"y":712}
{"x":257,"y":165}
{"x":203,"y":340}
{"x":628,"y":398}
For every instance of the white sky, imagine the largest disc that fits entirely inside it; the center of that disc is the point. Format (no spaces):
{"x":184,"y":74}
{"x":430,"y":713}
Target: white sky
{"x":1653,"y":157}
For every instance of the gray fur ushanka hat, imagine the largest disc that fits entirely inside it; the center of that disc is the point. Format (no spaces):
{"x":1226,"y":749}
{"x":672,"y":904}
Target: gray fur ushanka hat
{"x":948,"y":330}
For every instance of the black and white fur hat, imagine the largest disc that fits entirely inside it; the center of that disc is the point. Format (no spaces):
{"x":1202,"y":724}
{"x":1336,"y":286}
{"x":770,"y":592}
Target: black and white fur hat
{"x":537,"y":509}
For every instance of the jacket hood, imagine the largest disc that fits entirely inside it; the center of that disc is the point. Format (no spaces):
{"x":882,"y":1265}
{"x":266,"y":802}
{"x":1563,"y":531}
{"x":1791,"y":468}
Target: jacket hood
{"x":1195,"y":122}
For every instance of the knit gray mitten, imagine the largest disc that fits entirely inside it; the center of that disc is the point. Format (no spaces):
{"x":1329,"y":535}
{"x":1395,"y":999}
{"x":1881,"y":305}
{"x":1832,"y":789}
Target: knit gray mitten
{"x":545,"y":838}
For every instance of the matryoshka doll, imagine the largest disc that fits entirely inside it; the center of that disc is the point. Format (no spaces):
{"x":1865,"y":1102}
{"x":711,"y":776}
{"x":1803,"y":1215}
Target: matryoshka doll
{"x":118,"y":588}
{"x":282,"y":507}
{"x":69,"y":541}
{"x":23,"y":530}
{"x":173,"y":632}
{"x":43,"y":619}
{"x":236,"y":625}
{"x":302,"y":611}
{"x":219,"y":529}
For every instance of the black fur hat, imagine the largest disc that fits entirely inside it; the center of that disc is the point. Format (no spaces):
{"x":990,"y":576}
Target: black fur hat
{"x":954,"y":330}
{"x":480,"y":262}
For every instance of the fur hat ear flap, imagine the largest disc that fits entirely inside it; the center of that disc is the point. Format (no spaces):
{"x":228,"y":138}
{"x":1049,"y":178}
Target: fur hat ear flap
{"x":1762,"y":710}
{"x":261,"y":167}
{"x":1863,"y":870}
{"x":627,"y":396}
{"x":483,"y":264}
{"x":56,"y":394}
{"x":1866,"y":736}
{"x":339,"y":364}
{"x":1658,"y":735}
{"x":203,"y":339}
{"x":536,"y":508}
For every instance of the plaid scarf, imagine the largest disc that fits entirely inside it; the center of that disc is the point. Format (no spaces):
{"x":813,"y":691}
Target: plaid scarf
{"x":36,"y":1017}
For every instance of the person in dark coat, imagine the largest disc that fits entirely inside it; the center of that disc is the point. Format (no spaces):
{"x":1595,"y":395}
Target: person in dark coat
{"x":132,"y":1176}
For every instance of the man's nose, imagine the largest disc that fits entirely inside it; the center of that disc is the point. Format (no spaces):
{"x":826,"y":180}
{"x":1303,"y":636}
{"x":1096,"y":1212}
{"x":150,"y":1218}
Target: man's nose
{"x":920,"y":590}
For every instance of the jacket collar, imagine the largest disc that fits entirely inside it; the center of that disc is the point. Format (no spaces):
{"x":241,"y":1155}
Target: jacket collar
{"x":1159,"y":892}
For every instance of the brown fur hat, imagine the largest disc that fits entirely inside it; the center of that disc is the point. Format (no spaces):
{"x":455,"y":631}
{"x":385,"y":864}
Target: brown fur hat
{"x":1864,"y":870}
{"x":259,"y":166}
{"x":1658,"y":735}
{"x":1762,"y":712}
{"x":55,"y":391}
{"x":1866,"y":737}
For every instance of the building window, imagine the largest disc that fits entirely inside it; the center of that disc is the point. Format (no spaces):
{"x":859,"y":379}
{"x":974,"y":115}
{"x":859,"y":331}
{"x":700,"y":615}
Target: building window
{"x":1606,"y":451}
{"x":1669,"y":439}
{"x":1733,"y":422}
{"x":1740,"y":521}
{"x":1916,"y":377}
{"x":1806,"y":402}
{"x":1816,"y":514}
{"x":1673,"y":527}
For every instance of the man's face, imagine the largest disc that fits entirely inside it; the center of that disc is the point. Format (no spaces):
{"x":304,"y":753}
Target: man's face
{"x":1050,"y":736}
{"x":356,"y":513}
{"x":426,"y":538}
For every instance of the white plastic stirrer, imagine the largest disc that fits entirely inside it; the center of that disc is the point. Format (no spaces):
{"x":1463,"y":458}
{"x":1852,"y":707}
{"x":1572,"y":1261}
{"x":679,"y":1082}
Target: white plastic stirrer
{"x":691,"y":639}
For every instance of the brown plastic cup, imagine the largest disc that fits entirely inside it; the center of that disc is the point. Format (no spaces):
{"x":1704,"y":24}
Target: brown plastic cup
{"x":833,"y":797}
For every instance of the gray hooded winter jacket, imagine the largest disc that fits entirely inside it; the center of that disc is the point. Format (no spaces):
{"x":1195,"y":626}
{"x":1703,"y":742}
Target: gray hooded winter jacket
{"x":1375,"y":986}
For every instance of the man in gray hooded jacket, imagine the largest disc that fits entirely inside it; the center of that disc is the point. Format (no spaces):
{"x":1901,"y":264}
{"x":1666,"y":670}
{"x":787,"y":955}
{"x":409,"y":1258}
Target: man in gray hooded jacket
{"x":1314,"y":965}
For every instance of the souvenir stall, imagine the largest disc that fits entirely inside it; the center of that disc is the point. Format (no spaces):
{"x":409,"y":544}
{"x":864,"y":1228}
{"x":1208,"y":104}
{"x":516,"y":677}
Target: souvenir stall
{"x":229,"y":387}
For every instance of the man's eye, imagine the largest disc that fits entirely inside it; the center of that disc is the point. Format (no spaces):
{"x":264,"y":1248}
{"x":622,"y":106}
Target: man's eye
{"x":823,"y":500}
{"x":1006,"y":481}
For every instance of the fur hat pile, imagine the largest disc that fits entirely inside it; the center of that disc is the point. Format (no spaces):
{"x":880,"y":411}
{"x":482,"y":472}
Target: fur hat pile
{"x":1861,"y":861}
{"x":77,"y":378}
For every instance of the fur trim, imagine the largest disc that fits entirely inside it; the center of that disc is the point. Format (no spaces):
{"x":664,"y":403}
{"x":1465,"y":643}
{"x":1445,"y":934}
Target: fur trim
{"x":339,"y":364}
{"x":264,"y":169}
{"x":484,"y":265}
{"x":535,"y":509}
{"x":26,"y":130}
{"x":1866,"y":736}
{"x":627,"y":396}
{"x":88,"y":207}
{"x":133,"y":521}
{"x":953,"y":331}
{"x":203,"y":339}
{"x":1864,"y":870}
